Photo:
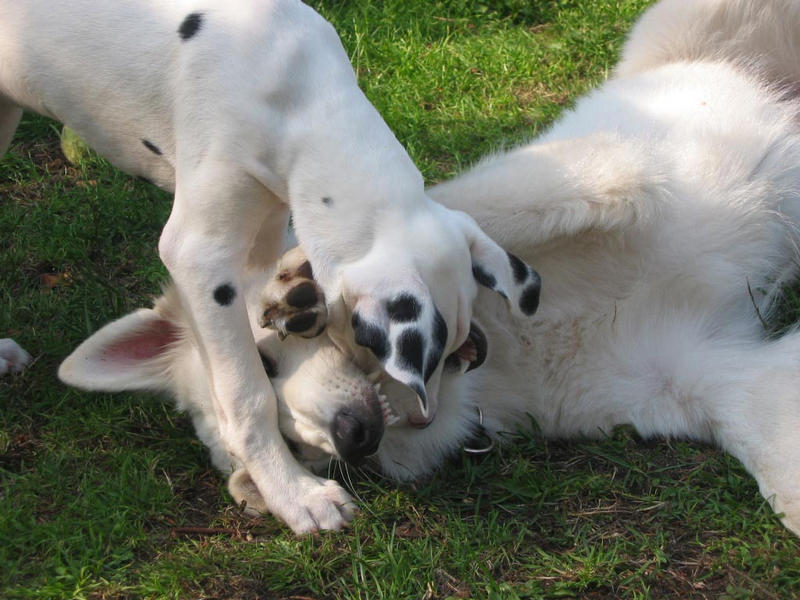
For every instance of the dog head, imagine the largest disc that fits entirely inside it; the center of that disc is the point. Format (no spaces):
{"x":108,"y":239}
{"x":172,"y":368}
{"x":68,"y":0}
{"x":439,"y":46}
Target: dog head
{"x":332,"y":403}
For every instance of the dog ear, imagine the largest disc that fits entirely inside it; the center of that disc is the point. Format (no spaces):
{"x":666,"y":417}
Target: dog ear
{"x":504,"y":273}
{"x":130,"y":353}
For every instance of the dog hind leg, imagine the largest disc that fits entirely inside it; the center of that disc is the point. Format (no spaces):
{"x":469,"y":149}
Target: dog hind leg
{"x":677,"y":373}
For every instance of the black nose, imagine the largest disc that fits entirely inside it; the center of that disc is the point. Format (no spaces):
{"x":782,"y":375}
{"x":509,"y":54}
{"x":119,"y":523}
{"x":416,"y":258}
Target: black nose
{"x":357,"y":433}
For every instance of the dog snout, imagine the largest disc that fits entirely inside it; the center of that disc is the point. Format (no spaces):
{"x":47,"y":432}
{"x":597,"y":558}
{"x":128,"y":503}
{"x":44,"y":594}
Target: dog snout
{"x":357,"y":432}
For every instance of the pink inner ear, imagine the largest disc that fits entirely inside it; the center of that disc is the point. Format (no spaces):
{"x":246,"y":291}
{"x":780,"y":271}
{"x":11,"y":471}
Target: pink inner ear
{"x":149,"y":342}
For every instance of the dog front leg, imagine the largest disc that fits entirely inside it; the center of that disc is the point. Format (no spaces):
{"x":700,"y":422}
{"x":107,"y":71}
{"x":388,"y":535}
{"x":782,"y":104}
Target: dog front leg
{"x":204,"y":245}
{"x":557,"y":190}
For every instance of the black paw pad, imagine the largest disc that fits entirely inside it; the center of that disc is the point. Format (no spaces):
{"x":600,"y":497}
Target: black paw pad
{"x":303,"y":295}
{"x":302,"y":323}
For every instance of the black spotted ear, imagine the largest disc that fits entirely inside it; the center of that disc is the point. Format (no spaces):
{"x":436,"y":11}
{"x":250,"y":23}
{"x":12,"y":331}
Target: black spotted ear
{"x":407,"y":334}
{"x":505,"y":273}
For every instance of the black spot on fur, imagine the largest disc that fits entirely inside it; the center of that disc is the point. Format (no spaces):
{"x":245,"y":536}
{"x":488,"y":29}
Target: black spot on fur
{"x":520,"y":268}
{"x":410,"y":349}
{"x":372,"y":337}
{"x":485,"y":278}
{"x":224,"y":294}
{"x":437,"y":349}
{"x":434,"y":356}
{"x":190,"y":26}
{"x":302,"y":322}
{"x":403,"y":308}
{"x":270,"y":367}
{"x":529,"y":301}
{"x":152,"y":147}
{"x":304,"y":270}
{"x":327,"y":201}
{"x":302,"y":295}
{"x":439,"y":329}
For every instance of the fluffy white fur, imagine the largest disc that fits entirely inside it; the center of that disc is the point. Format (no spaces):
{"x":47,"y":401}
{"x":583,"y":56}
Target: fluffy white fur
{"x":246,"y":109}
{"x":13,"y":358}
{"x":662,"y":213}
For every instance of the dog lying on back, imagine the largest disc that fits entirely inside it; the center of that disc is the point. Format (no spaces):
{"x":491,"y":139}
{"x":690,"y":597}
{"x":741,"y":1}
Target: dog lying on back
{"x":662,"y":213}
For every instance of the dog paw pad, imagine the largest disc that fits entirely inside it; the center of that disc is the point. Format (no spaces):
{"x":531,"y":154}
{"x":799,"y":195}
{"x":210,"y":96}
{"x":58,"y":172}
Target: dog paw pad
{"x":293,"y":303}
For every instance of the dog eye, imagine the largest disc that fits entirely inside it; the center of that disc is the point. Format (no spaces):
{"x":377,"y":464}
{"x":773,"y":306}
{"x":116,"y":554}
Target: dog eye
{"x":270,"y":366}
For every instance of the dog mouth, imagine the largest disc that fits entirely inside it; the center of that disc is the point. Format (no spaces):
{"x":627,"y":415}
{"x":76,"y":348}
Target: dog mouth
{"x":390,"y":419}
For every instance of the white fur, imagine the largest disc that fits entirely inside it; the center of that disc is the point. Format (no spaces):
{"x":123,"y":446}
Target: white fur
{"x":662,"y":213}
{"x":254,"y":112}
{"x":13,"y":358}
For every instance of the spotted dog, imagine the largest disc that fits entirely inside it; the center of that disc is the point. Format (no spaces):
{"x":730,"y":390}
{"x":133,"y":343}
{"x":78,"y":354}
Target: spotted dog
{"x":663,"y":214}
{"x":247,"y":109}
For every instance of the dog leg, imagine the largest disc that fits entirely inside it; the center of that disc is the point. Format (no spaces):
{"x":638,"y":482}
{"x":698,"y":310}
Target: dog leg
{"x":10,"y":115}
{"x":557,"y":189}
{"x":757,"y":420}
{"x":682,"y":372}
{"x":205,"y":251}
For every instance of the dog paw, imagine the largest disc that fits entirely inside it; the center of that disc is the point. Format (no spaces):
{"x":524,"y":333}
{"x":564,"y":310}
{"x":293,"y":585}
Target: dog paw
{"x":412,"y":309}
{"x":292,"y":302}
{"x":316,"y":505}
{"x":13,"y":358}
{"x":785,"y":501}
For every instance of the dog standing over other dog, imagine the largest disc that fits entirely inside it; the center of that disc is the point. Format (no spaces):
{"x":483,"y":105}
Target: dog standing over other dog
{"x":663,"y":214}
{"x":247,"y":109}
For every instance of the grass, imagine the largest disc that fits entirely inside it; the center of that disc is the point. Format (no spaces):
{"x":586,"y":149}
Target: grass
{"x":96,"y":490}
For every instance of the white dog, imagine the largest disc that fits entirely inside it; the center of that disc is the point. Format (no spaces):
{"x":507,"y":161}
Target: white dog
{"x":245,"y":109}
{"x":663,"y":214}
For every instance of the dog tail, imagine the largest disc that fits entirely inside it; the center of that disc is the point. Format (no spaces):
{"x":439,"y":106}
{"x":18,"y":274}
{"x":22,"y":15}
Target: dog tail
{"x":761,"y":35}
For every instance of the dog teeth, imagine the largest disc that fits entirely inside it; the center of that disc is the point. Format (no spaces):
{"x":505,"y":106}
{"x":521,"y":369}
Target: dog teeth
{"x":389,"y":418}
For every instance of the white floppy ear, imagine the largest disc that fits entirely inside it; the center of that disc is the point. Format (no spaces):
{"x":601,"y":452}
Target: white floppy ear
{"x":131,"y":353}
